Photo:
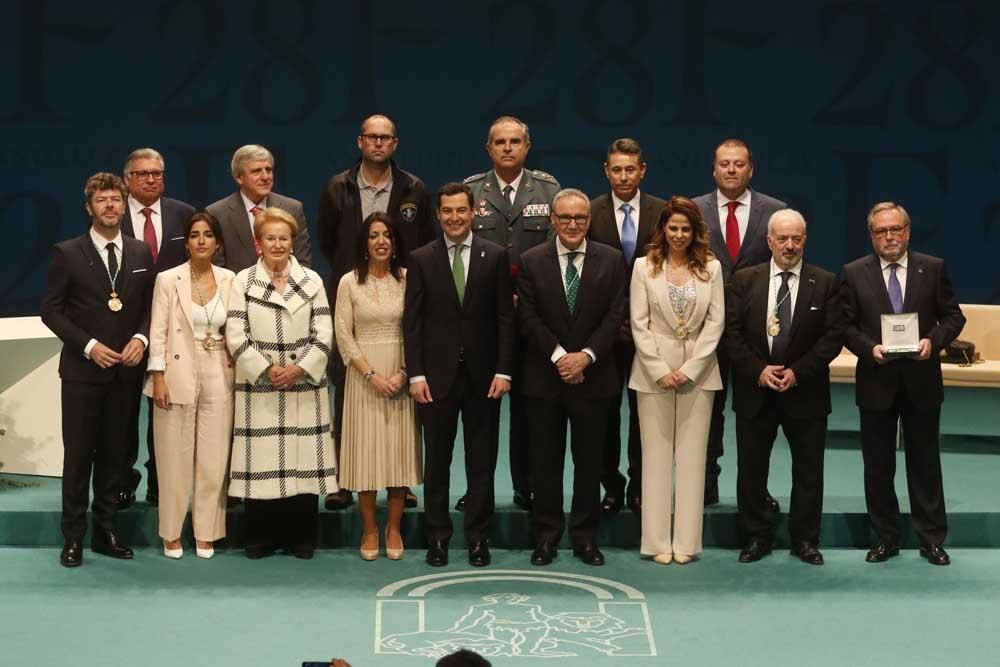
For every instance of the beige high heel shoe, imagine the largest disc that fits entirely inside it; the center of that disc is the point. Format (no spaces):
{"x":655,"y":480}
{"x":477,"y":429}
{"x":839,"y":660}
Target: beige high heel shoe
{"x":369,"y":554}
{"x":682,"y":559}
{"x":663,"y":559}
{"x":393,"y":554}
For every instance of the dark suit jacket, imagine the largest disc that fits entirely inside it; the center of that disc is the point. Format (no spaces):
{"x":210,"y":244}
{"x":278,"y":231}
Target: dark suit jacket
{"x":754,"y":248}
{"x":237,"y":251}
{"x":816,"y":339}
{"x":174,"y":214}
{"x":436,"y":327}
{"x":75,"y":305}
{"x":545,"y":320}
{"x":930,"y":295}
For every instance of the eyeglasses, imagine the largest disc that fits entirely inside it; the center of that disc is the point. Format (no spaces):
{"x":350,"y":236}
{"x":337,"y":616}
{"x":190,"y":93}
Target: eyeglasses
{"x":376,"y":138}
{"x":895,"y":230}
{"x":143,"y":175}
{"x":565,"y":219}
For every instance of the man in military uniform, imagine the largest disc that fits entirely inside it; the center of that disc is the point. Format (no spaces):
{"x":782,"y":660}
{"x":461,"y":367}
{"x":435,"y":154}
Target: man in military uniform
{"x":512,"y":208}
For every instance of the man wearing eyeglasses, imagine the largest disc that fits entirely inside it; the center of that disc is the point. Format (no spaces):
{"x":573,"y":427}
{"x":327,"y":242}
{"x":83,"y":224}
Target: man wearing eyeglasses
{"x":572,"y":300}
{"x":375,"y":183}
{"x":158,"y":222}
{"x":910,"y":390}
{"x":513,"y":208}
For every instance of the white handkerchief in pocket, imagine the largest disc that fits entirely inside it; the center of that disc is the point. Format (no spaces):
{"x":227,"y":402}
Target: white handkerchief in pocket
{"x":138,"y":270}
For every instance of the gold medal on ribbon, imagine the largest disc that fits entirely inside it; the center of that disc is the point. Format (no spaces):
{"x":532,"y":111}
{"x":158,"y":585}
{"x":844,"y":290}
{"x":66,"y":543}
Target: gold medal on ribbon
{"x":774,"y":328}
{"x":681,"y":330}
{"x":114,"y":303}
{"x":208,"y":343}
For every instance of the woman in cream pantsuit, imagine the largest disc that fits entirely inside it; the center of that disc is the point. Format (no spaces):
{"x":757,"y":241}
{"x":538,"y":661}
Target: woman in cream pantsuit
{"x":191,"y":383}
{"x":677,"y":306}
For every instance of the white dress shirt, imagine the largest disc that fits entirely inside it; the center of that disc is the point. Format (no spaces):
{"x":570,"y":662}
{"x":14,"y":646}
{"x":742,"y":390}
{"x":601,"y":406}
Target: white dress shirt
{"x":248,"y":206}
{"x":742,"y":212}
{"x":620,"y":214}
{"x":101,"y":244}
{"x":772,"y":295}
{"x":514,"y":185}
{"x":563,"y":253}
{"x":900,"y":273}
{"x":135,"y":207}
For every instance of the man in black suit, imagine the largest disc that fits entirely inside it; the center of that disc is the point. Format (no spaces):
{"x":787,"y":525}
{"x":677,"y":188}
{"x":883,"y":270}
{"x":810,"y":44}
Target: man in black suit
{"x":97,"y":301}
{"x":908,"y":390}
{"x":375,"y":184}
{"x":158,"y":222}
{"x":253,"y":170}
{"x":458,"y":325}
{"x":783,"y":328}
{"x":737,"y":225}
{"x":624,"y":218}
{"x":572,"y":301}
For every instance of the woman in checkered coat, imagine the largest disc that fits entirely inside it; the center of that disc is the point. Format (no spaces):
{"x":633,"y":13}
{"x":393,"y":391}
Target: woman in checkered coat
{"x":279,"y":332}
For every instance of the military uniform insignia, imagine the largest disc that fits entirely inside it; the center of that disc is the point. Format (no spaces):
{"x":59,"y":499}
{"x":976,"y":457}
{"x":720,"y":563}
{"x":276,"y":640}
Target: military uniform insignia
{"x":481,"y":210}
{"x":536,"y":210}
{"x":475,"y":177}
{"x":544,"y":176}
{"x":408,"y":211}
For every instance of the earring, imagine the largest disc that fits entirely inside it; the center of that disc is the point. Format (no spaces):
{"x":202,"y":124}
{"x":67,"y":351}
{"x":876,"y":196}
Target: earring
{"x":394,"y":254}
{"x":366,"y":256}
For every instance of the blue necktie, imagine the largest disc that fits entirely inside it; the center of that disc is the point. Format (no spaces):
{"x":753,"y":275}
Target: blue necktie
{"x":895,"y":289}
{"x":628,"y":234}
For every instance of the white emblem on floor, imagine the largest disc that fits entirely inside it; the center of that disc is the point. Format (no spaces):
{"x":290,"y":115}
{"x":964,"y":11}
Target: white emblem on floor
{"x":612,"y":620}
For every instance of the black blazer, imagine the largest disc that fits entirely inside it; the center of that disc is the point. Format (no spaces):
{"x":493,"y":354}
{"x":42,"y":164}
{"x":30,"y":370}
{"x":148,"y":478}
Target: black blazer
{"x":75,"y":304}
{"x":604,"y":229}
{"x":174,"y":214}
{"x":816,"y":339}
{"x":545,"y":320}
{"x":754,"y":248}
{"x":929,"y":294}
{"x":436,"y":327}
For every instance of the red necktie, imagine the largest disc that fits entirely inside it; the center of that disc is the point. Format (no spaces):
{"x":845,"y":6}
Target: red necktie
{"x":149,"y":233}
{"x":256,"y":246}
{"x":733,"y":231}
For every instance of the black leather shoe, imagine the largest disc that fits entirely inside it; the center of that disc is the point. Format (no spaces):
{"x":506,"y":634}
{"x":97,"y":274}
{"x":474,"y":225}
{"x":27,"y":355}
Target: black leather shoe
{"x":460,"y":505}
{"x":611,"y":505}
{"x":543,"y":554}
{"x":754,"y":551}
{"x":807,"y":553}
{"x":105,"y":542}
{"x":258,"y":551}
{"x":303,"y":551}
{"x":339,"y":500}
{"x":634,"y":503}
{"x":711,"y":491}
{"x":589,"y":554}
{"x":479,"y":554}
{"x":935,"y":554}
{"x":411,"y":499}
{"x":124,"y":499}
{"x":71,"y":554}
{"x":437,"y":554}
{"x":523,"y":501}
{"x":881,"y":552}
{"x":771,"y":504}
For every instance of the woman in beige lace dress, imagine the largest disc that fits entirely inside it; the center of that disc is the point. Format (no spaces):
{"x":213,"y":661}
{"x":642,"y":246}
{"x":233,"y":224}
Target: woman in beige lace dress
{"x":380,"y":444}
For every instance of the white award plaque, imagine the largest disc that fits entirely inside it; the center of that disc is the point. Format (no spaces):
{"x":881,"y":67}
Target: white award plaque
{"x":901,"y":335}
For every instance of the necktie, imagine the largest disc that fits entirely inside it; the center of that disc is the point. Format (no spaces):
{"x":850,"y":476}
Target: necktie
{"x":572,"y":281}
{"x":256,"y":246}
{"x":458,"y":273}
{"x":149,"y":233}
{"x":779,"y":344}
{"x":895,"y":289}
{"x":112,"y":264}
{"x":733,"y":231}
{"x":628,"y":234}
{"x":508,"y":197}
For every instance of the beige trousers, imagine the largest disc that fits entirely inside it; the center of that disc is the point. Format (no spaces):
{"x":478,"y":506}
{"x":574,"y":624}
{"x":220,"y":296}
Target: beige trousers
{"x":674,"y":430}
{"x":192,"y":445}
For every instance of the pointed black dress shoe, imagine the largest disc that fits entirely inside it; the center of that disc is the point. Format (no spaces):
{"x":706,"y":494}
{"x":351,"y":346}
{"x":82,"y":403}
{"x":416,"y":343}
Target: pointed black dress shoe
{"x":935,"y":554}
{"x":522,"y":500}
{"x":807,"y":553}
{"x":105,"y":542}
{"x":410,"y":499}
{"x":437,"y":554}
{"x":589,"y":554}
{"x":479,"y":554}
{"x":543,"y":554}
{"x":460,"y":505}
{"x":881,"y":552}
{"x":754,"y":551}
{"x":611,"y":505}
{"x":258,"y":551}
{"x":71,"y":554}
{"x":771,"y":504}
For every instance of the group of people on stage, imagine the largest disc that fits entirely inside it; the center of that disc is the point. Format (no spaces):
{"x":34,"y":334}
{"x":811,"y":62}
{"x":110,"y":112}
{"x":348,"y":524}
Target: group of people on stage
{"x":519,"y":287}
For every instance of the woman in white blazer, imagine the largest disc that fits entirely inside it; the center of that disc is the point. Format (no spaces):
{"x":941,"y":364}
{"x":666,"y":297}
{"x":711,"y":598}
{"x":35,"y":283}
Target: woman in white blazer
{"x":191,"y":383}
{"x":676,"y":306}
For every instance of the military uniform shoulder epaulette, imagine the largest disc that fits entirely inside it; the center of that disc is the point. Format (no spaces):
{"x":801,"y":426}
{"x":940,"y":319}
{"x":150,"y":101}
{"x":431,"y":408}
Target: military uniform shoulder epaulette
{"x":476,"y":177}
{"x":541,"y":175}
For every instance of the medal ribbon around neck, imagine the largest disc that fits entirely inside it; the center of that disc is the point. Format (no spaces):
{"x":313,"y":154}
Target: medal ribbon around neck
{"x":114,"y":303}
{"x":775,"y":325}
{"x":209,"y":342}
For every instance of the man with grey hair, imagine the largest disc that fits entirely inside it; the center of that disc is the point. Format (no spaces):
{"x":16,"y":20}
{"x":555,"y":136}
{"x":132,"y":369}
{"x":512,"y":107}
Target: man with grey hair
{"x":512,"y":209}
{"x":572,"y":300}
{"x":782,"y":331}
{"x":253,"y":170}
{"x":908,"y":389}
{"x":158,"y":222}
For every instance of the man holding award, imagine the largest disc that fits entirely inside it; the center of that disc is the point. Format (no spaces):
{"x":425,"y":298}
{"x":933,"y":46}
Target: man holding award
{"x":900,"y":311}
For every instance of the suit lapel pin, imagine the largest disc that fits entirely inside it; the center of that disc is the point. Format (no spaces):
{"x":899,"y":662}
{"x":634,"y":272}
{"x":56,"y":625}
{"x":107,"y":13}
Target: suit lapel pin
{"x":482,"y":253}
{"x":812,"y":281}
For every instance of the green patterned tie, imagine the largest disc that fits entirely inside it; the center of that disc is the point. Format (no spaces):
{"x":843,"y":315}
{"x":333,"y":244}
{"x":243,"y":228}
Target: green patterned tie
{"x":572,"y":280}
{"x":458,"y":273}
